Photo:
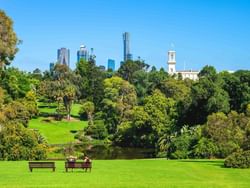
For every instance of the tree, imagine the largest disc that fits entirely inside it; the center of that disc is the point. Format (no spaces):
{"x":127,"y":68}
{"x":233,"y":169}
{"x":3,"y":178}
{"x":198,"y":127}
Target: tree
{"x":208,"y":97}
{"x":8,"y":40}
{"x":182,"y":143}
{"x":208,"y":72}
{"x":16,"y":111}
{"x":162,"y":116}
{"x":237,"y":85}
{"x":137,"y":131}
{"x":68,"y":98}
{"x":226,"y":132}
{"x":1,"y":98}
{"x":90,"y":82}
{"x":119,"y":100}
{"x":17,"y":83}
{"x":127,"y":70}
{"x":155,"y":79}
{"x":141,"y":83}
{"x":89,"y":108}
{"x":161,"y":110}
{"x":19,"y":143}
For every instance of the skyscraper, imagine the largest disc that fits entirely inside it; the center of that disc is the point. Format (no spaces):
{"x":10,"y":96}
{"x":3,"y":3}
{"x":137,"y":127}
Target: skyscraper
{"x":82,"y":53}
{"x":126,"y":48}
{"x":63,"y":56}
{"x":111,"y":64}
{"x":51,"y":67}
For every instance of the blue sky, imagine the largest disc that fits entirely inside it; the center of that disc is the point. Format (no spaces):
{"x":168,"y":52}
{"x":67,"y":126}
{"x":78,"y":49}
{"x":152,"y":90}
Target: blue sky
{"x":214,"y":32}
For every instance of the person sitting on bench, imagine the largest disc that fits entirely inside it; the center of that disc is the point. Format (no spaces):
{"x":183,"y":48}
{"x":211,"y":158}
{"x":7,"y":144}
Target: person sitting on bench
{"x":87,"y":159}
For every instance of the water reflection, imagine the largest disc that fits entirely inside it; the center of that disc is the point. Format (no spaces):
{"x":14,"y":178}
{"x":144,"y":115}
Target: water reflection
{"x":114,"y":152}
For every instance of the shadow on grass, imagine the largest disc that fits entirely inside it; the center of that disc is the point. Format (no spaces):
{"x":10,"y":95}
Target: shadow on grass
{"x":218,"y":163}
{"x":77,"y":172}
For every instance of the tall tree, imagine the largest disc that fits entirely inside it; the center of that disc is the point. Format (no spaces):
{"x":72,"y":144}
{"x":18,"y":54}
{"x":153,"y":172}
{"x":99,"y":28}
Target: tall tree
{"x":127,"y":70}
{"x":208,"y":97}
{"x":89,"y":108}
{"x":8,"y":40}
{"x":119,"y":99}
{"x":68,"y":98}
{"x":90,"y":82}
{"x":237,"y":85}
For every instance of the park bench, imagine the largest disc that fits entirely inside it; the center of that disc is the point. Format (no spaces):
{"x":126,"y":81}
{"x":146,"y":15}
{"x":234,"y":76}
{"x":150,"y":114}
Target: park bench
{"x":83,"y":165}
{"x":42,"y":165}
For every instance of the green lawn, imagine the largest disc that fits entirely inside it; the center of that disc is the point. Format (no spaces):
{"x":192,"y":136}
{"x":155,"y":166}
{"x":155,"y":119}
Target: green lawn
{"x":126,"y":174}
{"x":57,"y":132}
{"x":44,"y":108}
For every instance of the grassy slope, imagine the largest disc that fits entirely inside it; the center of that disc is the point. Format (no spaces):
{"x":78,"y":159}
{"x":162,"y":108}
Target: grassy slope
{"x":52,"y":110}
{"x":128,"y":173}
{"x":57,"y":132}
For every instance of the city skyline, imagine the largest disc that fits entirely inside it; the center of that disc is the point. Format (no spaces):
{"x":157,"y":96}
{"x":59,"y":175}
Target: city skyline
{"x":216,"y":33}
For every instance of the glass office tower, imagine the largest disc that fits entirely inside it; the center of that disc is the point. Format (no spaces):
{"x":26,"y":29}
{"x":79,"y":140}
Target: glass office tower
{"x":111,"y":64}
{"x":63,"y":56}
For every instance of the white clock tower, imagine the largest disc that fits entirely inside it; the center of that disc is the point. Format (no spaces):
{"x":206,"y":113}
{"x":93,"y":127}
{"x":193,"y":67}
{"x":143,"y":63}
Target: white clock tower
{"x":171,"y":62}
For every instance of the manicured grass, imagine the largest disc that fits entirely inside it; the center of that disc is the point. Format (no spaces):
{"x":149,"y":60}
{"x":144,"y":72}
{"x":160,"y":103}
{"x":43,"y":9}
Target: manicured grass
{"x":44,"y":108}
{"x":75,"y":110}
{"x":57,"y":132}
{"x":153,"y":173}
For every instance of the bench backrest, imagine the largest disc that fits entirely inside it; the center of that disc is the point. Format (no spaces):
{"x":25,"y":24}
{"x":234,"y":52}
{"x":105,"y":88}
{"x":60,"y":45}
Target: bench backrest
{"x":78,"y":164}
{"x":42,"y":164}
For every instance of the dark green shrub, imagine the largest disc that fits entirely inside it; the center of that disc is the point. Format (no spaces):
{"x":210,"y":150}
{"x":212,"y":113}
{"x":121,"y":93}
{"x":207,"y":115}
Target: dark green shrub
{"x":73,"y":131}
{"x":98,"y":131}
{"x":179,"y":148}
{"x":205,"y":148}
{"x":240,"y":159}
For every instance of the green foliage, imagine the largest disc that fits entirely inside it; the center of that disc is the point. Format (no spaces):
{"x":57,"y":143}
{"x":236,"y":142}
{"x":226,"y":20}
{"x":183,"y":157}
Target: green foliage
{"x":240,"y":159}
{"x":207,"y":97}
{"x":147,"y":124}
{"x":228,"y":133}
{"x":15,"y":82}
{"x":90,"y":82}
{"x":181,"y":145}
{"x":68,"y":98}
{"x":88,"y":109}
{"x":238,"y":87}
{"x":19,"y":143}
{"x":162,"y":112}
{"x":17,"y":112}
{"x":60,"y":91}
{"x":129,"y":68}
{"x":119,"y":99}
{"x":138,"y":130}
{"x":205,"y":148}
{"x":8,"y":40}
{"x":208,"y":72}
{"x":1,"y":97}
{"x":97,"y":130}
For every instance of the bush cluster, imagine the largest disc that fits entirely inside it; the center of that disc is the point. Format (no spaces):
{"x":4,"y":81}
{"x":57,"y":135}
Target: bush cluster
{"x":240,"y":159}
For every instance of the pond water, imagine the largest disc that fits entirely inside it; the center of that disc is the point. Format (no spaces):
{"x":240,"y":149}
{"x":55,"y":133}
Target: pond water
{"x":114,"y":152}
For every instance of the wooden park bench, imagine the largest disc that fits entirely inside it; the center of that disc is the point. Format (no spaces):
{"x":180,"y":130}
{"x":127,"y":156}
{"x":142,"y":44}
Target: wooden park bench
{"x":42,"y":165}
{"x":83,"y":165}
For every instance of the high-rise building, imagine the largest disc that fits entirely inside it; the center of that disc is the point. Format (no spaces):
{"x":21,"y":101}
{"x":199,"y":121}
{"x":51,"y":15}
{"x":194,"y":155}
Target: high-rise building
{"x":51,"y":67}
{"x":63,"y":56}
{"x":102,"y":68}
{"x":111,"y":64}
{"x":126,"y":48}
{"x":82,"y":53}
